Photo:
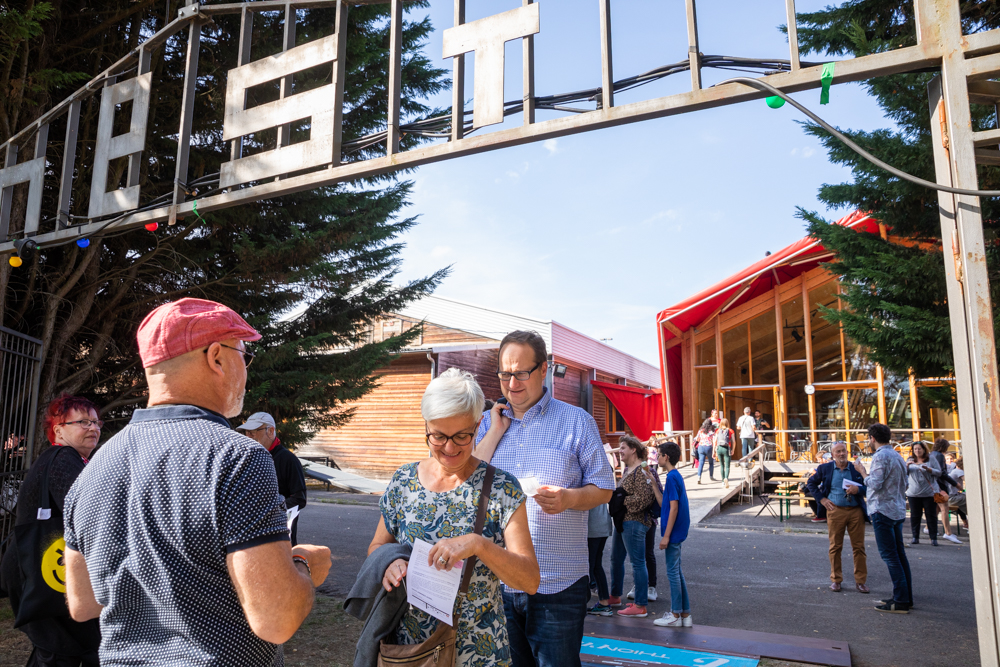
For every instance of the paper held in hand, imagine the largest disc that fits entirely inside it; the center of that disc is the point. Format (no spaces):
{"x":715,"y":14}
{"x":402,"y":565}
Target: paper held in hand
{"x":290,"y":516}
{"x":848,"y":483}
{"x":432,"y":590}
{"x":529,"y":485}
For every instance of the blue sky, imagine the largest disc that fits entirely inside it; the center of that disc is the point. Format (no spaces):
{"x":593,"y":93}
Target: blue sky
{"x":601,"y":230}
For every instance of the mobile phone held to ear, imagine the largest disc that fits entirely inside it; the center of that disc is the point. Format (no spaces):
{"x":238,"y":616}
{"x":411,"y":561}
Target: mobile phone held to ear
{"x":502,"y":400}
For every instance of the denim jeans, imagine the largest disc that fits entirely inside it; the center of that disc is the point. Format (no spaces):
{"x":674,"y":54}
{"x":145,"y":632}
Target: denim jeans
{"x":595,"y":547}
{"x":633,"y":542}
{"x":679,"y":602}
{"x":749,"y":444}
{"x":705,"y":452}
{"x":889,"y":538}
{"x":546,"y":630}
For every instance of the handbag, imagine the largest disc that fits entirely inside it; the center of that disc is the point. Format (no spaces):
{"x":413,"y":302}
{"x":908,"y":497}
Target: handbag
{"x":40,"y":548}
{"x":940,"y":497}
{"x":438,"y":650}
{"x":617,"y":509}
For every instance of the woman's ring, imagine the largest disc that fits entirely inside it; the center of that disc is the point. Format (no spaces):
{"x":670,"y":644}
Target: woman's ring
{"x":443,"y":560}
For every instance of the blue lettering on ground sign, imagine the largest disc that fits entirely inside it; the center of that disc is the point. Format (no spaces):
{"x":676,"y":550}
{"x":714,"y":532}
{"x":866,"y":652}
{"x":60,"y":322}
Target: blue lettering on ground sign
{"x":634,"y":651}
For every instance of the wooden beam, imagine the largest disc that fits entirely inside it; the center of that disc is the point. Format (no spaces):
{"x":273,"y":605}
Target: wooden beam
{"x":672,"y":328}
{"x":807,"y":326}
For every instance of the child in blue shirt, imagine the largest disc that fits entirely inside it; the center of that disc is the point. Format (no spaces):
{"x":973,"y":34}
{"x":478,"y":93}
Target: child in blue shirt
{"x":675,"y":519}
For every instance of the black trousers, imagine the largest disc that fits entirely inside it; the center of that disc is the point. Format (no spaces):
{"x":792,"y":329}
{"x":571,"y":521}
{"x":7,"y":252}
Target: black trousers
{"x":926,"y":506}
{"x":595,"y":546}
{"x":651,"y":555}
{"x":42,"y":658}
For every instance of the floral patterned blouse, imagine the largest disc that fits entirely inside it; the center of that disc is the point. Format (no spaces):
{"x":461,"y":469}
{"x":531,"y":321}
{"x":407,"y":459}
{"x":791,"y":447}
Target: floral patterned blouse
{"x":410,"y":511}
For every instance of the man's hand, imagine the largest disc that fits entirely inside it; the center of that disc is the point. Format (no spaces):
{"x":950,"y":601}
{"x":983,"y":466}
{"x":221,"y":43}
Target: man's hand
{"x":851,"y":490}
{"x":827,"y":503}
{"x":394,"y":574}
{"x":553,"y":499}
{"x":860,"y":467}
{"x":665,"y":541}
{"x":498,"y":421}
{"x":319,"y":561}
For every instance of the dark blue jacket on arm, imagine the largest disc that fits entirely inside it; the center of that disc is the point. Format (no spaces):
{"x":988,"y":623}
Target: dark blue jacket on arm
{"x":820,"y":482}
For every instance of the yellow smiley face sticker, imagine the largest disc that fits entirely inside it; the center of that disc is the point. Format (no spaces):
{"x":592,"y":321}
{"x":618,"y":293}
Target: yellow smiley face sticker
{"x":54,"y":566}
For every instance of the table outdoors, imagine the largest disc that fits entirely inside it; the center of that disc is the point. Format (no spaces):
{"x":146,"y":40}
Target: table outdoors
{"x":783,"y":493}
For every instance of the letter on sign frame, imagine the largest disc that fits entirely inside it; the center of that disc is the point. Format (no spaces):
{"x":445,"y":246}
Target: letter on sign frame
{"x":486,"y":37}
{"x":317,"y":104}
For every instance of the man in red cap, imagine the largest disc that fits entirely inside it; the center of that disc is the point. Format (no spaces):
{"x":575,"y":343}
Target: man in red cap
{"x":176,"y":535}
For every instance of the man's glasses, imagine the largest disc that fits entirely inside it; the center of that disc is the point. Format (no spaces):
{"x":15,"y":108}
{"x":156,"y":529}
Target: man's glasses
{"x":440,"y":439}
{"x":520,"y":375}
{"x":85,"y":423}
{"x":247,"y":355}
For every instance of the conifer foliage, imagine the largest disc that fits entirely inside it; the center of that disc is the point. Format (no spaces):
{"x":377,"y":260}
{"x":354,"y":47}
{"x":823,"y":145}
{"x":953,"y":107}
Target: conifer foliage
{"x":895,"y":288}
{"x":310,"y":271}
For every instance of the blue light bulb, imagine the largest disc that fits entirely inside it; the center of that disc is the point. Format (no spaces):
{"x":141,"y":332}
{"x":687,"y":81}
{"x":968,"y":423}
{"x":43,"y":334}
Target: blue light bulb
{"x":83,"y":243}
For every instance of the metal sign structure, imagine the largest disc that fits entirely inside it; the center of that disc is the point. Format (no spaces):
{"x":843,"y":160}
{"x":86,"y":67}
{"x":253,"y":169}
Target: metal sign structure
{"x":967,"y":63}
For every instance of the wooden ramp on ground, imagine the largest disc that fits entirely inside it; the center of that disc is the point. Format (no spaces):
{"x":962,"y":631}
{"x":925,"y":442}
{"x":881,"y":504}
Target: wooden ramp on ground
{"x":341,"y":480}
{"x":741,"y":643}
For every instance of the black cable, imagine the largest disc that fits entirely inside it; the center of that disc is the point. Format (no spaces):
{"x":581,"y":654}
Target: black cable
{"x":768,"y":88}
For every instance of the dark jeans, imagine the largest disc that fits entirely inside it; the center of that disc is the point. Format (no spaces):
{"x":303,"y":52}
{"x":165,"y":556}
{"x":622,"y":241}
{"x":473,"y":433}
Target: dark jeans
{"x":889,"y":538}
{"x":705,"y":453}
{"x":546,"y":630}
{"x":595,"y":547}
{"x":926,"y":506}
{"x":651,"y":554}
{"x":42,"y":658}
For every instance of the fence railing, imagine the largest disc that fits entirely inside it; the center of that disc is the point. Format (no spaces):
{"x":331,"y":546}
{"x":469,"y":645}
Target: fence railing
{"x":20,"y":369}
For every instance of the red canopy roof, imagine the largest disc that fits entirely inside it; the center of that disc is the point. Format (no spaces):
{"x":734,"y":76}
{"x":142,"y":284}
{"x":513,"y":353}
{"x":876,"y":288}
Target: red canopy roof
{"x":642,"y":409}
{"x":756,"y":279}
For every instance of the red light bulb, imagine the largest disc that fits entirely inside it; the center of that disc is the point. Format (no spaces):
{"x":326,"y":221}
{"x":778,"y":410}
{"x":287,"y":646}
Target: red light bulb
{"x":152,"y":226}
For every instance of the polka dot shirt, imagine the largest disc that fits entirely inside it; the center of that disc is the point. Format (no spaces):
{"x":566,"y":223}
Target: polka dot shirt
{"x":154,"y":515}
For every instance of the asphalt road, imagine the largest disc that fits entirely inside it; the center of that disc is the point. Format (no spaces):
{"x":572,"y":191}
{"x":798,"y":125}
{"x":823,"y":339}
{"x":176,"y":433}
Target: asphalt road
{"x":754,"y":581}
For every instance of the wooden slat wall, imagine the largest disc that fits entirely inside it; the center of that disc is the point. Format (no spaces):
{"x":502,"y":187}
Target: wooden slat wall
{"x":567,"y":389}
{"x":387,"y":429}
{"x":481,"y":363}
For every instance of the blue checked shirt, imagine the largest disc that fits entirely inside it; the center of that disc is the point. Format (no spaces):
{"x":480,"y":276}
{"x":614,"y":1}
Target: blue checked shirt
{"x":886,"y":482}
{"x":558,"y":444}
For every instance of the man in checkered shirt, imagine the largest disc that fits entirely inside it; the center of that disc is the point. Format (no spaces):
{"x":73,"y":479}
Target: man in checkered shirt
{"x":556,"y":446}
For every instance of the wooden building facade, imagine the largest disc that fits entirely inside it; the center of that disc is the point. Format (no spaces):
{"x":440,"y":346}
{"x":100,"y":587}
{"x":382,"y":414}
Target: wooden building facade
{"x":759,"y":339}
{"x":387,"y":430}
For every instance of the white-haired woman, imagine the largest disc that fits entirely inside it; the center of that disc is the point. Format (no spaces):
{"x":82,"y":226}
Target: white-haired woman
{"x":436,"y":500}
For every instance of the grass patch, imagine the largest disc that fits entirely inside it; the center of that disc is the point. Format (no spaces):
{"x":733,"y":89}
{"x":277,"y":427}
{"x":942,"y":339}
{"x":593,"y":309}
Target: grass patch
{"x":327,"y":637}
{"x":14,"y":645}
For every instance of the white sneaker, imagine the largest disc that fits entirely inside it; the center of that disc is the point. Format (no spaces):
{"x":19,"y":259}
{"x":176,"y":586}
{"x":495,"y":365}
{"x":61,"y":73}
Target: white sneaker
{"x":631,"y":594}
{"x":950,"y":538}
{"x":651,"y":594}
{"x":926,"y":532}
{"x":688,"y":621}
{"x":669,"y":620}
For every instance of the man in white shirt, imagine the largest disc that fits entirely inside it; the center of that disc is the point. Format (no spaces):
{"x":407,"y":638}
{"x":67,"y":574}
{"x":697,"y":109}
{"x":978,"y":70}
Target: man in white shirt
{"x":748,"y":431}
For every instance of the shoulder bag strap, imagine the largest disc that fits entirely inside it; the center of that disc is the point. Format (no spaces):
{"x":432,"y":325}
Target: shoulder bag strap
{"x":44,"y":506}
{"x":484,"y":499}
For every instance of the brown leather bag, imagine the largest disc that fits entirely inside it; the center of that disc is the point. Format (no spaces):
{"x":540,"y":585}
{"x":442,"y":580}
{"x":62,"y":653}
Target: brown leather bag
{"x":940,"y":497}
{"x":438,"y":650}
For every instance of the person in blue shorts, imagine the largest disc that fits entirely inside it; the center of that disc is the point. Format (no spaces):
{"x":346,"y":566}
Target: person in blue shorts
{"x":675,"y":519}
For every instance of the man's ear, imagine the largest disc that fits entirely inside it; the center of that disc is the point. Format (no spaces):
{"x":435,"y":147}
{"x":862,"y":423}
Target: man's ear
{"x":213,"y":358}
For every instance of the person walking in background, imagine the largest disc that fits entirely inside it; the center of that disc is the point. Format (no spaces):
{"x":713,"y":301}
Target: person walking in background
{"x":73,"y":428}
{"x":724,"y":439}
{"x":558,"y":447}
{"x":291,"y":478}
{"x":631,"y":541}
{"x":714,"y":418}
{"x":839,"y":487}
{"x":945,"y":484}
{"x":599,"y":529}
{"x":703,"y":443}
{"x":922,"y":473}
{"x":175,"y":533}
{"x":675,"y":519}
{"x":886,"y":484}
{"x":748,"y":432}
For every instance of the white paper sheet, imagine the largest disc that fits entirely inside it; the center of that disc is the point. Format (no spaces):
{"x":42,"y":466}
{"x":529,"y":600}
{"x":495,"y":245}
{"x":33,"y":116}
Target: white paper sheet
{"x":290,"y":516}
{"x":529,"y":485}
{"x":432,"y":590}
{"x":849,"y":483}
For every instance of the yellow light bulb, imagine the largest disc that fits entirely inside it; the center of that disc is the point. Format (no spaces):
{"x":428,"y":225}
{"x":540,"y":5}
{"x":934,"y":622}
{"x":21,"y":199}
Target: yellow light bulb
{"x":15,"y":261}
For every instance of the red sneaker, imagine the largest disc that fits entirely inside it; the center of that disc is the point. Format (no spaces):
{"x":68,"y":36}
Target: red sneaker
{"x":633,"y":610}
{"x":614,"y":601}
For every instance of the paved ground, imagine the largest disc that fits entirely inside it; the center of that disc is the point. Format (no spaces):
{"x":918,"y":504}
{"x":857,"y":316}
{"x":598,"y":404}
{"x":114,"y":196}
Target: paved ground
{"x":753,"y":580}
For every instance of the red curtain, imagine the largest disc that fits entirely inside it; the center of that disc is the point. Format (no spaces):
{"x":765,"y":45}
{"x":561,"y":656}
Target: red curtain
{"x":642,"y":409}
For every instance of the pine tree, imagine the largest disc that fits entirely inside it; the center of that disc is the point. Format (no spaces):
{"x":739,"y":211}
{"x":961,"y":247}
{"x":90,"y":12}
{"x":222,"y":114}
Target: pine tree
{"x":895,"y":288}
{"x":311,"y":271}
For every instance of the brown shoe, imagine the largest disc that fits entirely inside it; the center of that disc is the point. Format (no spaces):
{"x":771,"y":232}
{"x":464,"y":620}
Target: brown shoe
{"x":861,"y":588}
{"x":835,"y":587}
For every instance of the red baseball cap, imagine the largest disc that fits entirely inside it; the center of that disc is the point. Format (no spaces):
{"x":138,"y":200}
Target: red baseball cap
{"x":178,"y":327}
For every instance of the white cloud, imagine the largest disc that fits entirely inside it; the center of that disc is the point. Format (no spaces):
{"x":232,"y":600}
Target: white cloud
{"x":551,"y":145}
{"x":514,"y":175}
{"x":666,"y":214}
{"x":440,"y":251}
{"x":808,"y":151}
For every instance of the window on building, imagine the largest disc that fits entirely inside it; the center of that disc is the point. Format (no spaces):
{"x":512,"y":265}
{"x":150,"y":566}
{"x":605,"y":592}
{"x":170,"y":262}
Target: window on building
{"x":764,"y":349}
{"x":736,"y":356}
{"x":616,"y":423}
{"x":793,"y":330}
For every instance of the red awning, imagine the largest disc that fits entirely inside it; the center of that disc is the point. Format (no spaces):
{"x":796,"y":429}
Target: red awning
{"x":642,"y":409}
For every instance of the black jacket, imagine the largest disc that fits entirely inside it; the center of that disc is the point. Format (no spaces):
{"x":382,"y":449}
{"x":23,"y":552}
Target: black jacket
{"x":291,"y":478}
{"x":380,"y":610}
{"x":820,"y":482}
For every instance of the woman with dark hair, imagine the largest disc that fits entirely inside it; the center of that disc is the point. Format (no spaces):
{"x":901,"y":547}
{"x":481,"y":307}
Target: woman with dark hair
{"x":941,"y":447}
{"x":703,"y":442}
{"x":73,"y":428}
{"x":632,"y":540}
{"x":923,"y":473}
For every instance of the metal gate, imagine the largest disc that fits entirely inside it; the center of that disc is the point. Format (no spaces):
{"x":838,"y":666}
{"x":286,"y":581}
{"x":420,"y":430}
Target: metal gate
{"x":20,"y":372}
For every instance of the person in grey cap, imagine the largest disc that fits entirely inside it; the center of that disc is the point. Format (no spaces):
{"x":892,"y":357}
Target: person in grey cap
{"x":291,"y":480}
